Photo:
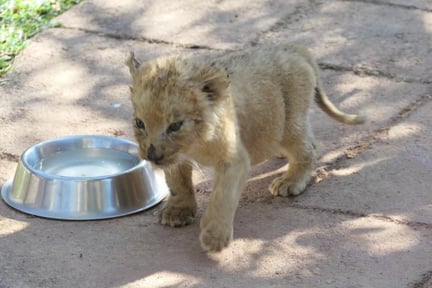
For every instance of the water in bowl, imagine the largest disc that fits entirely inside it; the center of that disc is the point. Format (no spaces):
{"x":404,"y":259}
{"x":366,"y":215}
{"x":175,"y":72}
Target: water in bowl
{"x":88,"y":163}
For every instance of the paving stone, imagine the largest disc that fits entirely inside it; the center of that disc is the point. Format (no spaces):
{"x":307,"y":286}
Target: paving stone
{"x":70,"y":82}
{"x":218,"y":24}
{"x":383,"y":38}
{"x":379,"y":99}
{"x":392,"y":178}
{"x":274,"y":246}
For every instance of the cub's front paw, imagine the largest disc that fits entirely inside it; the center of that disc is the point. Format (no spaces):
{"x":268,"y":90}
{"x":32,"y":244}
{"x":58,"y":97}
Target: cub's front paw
{"x":176,"y":216}
{"x":284,"y":187}
{"x":214,"y":236}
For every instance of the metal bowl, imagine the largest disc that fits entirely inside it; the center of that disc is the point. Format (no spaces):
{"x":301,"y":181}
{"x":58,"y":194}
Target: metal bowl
{"x":83,"y":178}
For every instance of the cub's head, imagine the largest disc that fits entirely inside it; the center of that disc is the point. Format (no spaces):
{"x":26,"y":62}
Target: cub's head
{"x":177,"y":104}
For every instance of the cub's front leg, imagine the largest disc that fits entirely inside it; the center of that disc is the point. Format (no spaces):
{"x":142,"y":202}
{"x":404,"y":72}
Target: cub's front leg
{"x":181,"y":207}
{"x":217,"y":222}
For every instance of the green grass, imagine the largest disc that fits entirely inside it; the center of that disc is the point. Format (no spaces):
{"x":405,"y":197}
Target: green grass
{"x":22,"y":19}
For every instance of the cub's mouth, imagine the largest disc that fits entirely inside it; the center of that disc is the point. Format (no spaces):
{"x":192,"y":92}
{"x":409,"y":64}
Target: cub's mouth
{"x":159,"y":161}
{"x":163,"y":163}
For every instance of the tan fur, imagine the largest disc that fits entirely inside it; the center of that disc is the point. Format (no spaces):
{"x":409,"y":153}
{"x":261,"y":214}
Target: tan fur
{"x":237,"y":111}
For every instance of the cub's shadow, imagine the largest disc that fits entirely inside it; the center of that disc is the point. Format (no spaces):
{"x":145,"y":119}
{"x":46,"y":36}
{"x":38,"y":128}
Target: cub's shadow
{"x":260,"y":178}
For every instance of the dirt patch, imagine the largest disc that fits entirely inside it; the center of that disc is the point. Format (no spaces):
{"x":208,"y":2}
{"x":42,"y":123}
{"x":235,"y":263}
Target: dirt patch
{"x":425,"y":282}
{"x":9,"y":157}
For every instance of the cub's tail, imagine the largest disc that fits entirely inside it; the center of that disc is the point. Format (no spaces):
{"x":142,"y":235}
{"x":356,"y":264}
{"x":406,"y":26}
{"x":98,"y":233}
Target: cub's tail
{"x":331,"y":110}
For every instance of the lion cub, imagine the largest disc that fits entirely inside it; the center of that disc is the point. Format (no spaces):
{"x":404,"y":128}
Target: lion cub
{"x":237,"y":111}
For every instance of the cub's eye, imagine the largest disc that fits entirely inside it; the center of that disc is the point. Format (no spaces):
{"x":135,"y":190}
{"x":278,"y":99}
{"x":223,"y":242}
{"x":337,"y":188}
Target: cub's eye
{"x":174,"y":127}
{"x":139,"y":123}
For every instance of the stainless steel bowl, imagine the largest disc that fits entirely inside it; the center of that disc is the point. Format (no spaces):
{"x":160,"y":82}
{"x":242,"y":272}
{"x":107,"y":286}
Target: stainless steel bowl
{"x":83,"y":178}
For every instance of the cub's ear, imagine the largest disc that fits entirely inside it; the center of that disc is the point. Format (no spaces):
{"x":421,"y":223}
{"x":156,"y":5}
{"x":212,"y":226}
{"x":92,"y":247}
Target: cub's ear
{"x":214,"y":83}
{"x":133,"y":64}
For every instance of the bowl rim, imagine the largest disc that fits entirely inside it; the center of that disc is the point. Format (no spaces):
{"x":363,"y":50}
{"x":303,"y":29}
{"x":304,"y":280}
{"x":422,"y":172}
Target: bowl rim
{"x":51,"y":176}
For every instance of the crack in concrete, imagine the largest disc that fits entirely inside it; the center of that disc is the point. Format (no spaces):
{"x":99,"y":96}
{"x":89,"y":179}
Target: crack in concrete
{"x":414,"y":225}
{"x":384,"y":3}
{"x":363,"y":71}
{"x":351,"y":152}
{"x":424,"y":282}
{"x":142,"y":39}
{"x":296,"y":15}
{"x":360,"y":71}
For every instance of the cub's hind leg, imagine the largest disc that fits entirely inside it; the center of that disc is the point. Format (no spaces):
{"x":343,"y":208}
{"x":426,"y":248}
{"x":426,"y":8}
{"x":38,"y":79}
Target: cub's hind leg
{"x":299,"y":149}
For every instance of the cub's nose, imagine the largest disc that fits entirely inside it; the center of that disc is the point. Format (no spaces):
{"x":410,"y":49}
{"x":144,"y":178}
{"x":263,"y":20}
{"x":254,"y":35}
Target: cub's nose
{"x":152,"y":155}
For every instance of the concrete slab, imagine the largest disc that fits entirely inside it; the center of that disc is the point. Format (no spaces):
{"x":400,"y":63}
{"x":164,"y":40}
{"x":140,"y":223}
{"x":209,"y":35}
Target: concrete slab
{"x":218,"y":24}
{"x":387,"y":39}
{"x":274,"y":246}
{"x":393,"y":178}
{"x":378,"y":98}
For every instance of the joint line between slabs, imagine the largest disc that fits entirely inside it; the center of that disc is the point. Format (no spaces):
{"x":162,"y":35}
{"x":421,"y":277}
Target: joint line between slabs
{"x":361,"y":71}
{"x":424,"y":282}
{"x":142,"y":39}
{"x":414,"y":225}
{"x":383,"y":3}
